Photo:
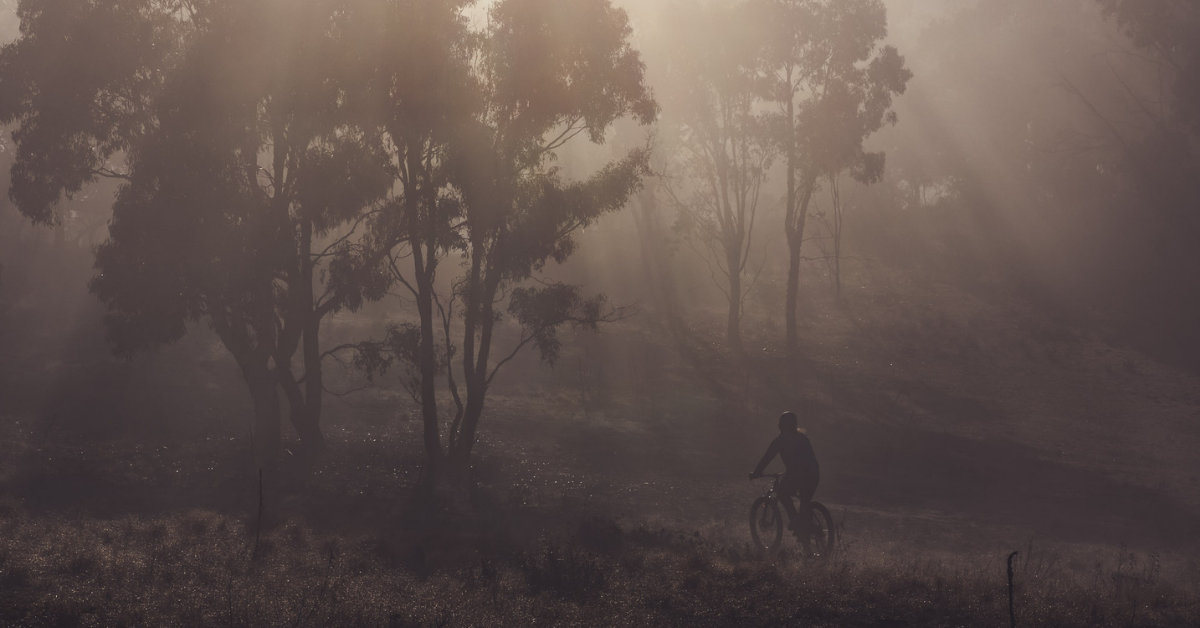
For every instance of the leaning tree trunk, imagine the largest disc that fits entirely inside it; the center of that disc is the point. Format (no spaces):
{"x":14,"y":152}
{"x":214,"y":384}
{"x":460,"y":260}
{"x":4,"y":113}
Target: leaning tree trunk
{"x":477,"y":386}
{"x":266,"y":433}
{"x":480,"y":315}
{"x":304,"y":418}
{"x":477,"y":338}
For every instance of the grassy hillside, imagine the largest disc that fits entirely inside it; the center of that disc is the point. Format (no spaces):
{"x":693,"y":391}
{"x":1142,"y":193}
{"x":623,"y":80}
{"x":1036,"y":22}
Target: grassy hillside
{"x":954,"y":424}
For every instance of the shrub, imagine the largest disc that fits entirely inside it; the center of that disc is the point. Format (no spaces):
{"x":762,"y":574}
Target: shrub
{"x":564,"y":571}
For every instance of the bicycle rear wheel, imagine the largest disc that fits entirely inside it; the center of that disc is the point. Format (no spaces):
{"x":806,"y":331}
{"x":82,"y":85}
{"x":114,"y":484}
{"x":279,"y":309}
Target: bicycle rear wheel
{"x":766,"y":524}
{"x":822,"y":533}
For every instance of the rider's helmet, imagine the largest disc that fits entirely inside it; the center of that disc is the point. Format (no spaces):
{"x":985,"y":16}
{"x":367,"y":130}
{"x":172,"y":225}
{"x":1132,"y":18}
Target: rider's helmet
{"x":788,"y":422}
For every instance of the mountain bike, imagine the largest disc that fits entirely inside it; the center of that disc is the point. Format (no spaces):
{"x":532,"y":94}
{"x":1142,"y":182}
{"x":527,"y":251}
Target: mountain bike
{"x":767,"y":519}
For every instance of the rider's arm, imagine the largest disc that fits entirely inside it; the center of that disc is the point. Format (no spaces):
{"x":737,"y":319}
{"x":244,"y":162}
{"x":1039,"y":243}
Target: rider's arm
{"x":772,"y":451}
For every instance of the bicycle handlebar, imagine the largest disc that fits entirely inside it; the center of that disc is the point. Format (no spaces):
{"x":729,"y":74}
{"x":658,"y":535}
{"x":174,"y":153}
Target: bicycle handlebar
{"x":768,"y":475}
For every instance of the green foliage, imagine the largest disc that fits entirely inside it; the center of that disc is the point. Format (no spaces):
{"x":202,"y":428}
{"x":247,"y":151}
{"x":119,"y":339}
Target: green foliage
{"x":338,"y":176}
{"x":1169,"y":30}
{"x":186,"y":239}
{"x":550,"y":211}
{"x":200,"y":229}
{"x":77,"y":84}
{"x":400,"y":347}
{"x":828,"y":55}
{"x":238,"y":131}
{"x":556,"y":61}
{"x":541,"y":311}
{"x":474,"y":134}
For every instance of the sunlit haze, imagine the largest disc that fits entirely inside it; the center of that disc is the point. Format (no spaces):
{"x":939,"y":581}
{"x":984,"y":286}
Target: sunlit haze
{"x":409,"y":313}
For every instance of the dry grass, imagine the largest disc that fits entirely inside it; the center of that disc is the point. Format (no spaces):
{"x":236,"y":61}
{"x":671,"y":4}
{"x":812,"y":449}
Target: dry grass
{"x":201,"y":569}
{"x":951,"y":422}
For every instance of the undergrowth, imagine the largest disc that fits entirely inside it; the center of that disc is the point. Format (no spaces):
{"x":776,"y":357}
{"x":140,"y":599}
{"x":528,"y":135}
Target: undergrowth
{"x":203,"y":569}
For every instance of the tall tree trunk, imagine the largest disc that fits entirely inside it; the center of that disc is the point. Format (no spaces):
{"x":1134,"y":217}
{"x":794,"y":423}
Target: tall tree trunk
{"x":308,"y":421}
{"x":267,"y":431}
{"x":306,"y":411}
{"x":793,"y":293}
{"x":795,"y":238}
{"x":793,"y":284}
{"x":734,"y":331}
{"x":428,"y":362}
{"x":836,"y":194}
{"x":480,"y":306}
{"x":837,"y":266}
{"x":460,"y":458}
{"x":304,"y":420}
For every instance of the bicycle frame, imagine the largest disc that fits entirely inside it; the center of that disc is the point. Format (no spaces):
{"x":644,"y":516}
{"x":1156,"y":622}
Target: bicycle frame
{"x":824,"y":526}
{"x":772,"y":492}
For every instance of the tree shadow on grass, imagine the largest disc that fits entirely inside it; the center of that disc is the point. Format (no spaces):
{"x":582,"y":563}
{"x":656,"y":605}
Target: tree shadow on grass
{"x":91,"y":434}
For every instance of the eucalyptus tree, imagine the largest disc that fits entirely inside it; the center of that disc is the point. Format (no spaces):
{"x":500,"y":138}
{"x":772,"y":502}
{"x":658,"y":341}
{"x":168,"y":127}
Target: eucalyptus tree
{"x":418,"y":94}
{"x":242,"y":178}
{"x":1169,"y":32}
{"x":725,"y":144}
{"x":1153,"y":127}
{"x":480,"y":183}
{"x":834,"y":84}
{"x":1157,"y":131}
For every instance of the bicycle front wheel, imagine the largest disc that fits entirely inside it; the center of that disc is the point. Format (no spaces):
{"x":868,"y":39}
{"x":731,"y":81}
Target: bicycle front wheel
{"x":822,"y":532}
{"x":766,"y":524}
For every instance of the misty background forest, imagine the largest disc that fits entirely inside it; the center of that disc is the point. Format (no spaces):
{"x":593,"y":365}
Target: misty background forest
{"x":450,"y":313}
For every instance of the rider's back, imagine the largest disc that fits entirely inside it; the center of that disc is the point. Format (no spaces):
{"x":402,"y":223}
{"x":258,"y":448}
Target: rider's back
{"x":797,"y":453}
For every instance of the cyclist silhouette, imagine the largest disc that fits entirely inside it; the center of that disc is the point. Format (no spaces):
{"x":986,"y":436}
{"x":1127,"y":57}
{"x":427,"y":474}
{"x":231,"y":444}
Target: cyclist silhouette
{"x":802,"y":474}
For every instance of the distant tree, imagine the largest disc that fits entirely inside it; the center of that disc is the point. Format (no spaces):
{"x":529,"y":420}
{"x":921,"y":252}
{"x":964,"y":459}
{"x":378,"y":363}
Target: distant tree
{"x":834,"y":87}
{"x":1170,"y":30}
{"x":1158,"y":134}
{"x":834,"y":221}
{"x":651,"y":218}
{"x":479,"y":181}
{"x":243,"y":180}
{"x":725,"y":145}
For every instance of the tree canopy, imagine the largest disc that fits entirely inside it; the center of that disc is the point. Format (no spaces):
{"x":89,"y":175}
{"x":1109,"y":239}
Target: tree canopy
{"x":479,"y":181}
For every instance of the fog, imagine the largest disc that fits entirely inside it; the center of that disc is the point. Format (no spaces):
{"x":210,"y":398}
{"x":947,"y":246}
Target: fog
{"x":438,"y":312}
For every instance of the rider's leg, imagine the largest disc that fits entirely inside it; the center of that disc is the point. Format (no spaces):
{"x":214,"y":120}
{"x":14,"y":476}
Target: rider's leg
{"x":805,"y":492}
{"x":790,"y":508}
{"x":786,"y":489}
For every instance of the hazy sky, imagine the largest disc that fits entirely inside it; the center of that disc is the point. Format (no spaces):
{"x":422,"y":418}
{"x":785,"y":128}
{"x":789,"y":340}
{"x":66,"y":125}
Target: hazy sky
{"x":906,"y":16}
